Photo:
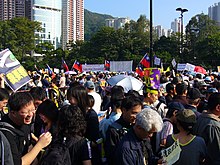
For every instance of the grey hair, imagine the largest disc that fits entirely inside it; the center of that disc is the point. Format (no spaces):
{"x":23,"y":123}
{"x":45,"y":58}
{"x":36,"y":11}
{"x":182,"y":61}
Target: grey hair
{"x":149,"y":119}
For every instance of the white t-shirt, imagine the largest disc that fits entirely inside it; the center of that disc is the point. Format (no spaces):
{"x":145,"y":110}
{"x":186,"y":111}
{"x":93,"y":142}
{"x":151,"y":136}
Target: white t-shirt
{"x":62,"y":82}
{"x":98,"y":101}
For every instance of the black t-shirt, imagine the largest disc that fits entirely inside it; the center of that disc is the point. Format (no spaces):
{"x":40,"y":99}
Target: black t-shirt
{"x":92,"y":129}
{"x":20,"y":141}
{"x":79,"y":149}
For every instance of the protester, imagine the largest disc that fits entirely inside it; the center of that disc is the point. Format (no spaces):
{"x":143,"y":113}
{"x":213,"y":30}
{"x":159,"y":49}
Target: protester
{"x":38,"y":81}
{"x":194,"y":97}
{"x":208,"y":127}
{"x":70,"y":130}
{"x":193,"y":148}
{"x":131,"y":105}
{"x":6,"y":155}
{"x":113,"y":111}
{"x":39,"y":95}
{"x":169,"y":125}
{"x":54,"y":93}
{"x":152,"y":94}
{"x":62,"y":81}
{"x":92,"y":131}
{"x":90,"y":86}
{"x":48,"y":113}
{"x":4,"y":95}
{"x":46,"y":82}
{"x":135,"y":148}
{"x":181,"y":93}
{"x":170,"y":90}
{"x":18,"y":120}
{"x":77,"y":95}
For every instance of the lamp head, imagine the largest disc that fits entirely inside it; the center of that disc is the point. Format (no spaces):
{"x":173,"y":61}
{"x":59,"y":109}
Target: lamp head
{"x":181,"y":10}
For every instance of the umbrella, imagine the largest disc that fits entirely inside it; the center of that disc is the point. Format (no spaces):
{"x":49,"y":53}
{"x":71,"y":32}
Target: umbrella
{"x":127,"y":82}
{"x":200,"y":69}
{"x":70,"y":72}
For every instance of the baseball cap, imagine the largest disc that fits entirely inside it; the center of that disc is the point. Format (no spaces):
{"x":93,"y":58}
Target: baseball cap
{"x":175,"y":106}
{"x":194,"y":93}
{"x":203,"y":83}
{"x":211,"y":90}
{"x":186,"y":116}
{"x":90,"y":85}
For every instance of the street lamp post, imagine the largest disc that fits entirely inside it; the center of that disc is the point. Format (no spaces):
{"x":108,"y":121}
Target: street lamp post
{"x":151,"y":34}
{"x":181,"y":33}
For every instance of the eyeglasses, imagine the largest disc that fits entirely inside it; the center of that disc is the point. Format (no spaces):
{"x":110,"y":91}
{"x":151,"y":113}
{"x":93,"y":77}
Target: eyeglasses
{"x":28,"y":112}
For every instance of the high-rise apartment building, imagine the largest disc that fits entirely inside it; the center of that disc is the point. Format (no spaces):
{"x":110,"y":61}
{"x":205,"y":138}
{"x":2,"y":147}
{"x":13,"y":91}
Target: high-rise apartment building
{"x":117,"y":23}
{"x":176,"y":26}
{"x":72,"y":21}
{"x":14,"y":8}
{"x":48,"y":13}
{"x":214,"y":12}
{"x":160,"y":31}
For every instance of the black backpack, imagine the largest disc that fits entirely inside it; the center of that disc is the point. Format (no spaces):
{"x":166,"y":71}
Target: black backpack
{"x":56,"y":154}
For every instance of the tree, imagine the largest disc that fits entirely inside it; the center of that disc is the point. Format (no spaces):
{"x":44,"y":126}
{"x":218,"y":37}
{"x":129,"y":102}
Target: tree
{"x":8,"y":37}
{"x":167,"y":46}
{"x":209,"y":51}
{"x":199,"y":31}
{"x":24,"y":29}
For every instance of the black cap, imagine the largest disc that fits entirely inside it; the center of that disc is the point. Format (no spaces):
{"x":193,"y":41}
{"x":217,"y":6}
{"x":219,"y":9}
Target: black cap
{"x":194,"y":93}
{"x":175,"y":106}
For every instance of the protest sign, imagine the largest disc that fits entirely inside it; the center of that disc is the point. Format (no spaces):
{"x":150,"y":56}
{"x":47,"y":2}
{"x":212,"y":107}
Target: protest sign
{"x":152,"y":76}
{"x":93,"y":67}
{"x":171,"y":155}
{"x":15,"y":74}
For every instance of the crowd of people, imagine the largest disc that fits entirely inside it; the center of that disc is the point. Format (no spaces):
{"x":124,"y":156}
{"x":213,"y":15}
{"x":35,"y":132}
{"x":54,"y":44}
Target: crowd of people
{"x":81,"y":119}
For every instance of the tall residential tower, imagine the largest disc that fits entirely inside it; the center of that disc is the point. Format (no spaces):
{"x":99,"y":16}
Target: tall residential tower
{"x":72,"y":21}
{"x":14,"y":8}
{"x":214,"y":12}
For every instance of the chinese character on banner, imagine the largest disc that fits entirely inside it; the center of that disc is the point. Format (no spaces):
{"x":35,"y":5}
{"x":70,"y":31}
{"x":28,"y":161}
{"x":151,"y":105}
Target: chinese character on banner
{"x":152,"y":76}
{"x":15,"y":74}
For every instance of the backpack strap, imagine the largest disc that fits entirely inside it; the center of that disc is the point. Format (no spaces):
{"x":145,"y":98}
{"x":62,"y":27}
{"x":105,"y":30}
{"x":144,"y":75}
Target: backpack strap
{"x":158,"y":105}
{"x":2,"y":150}
{"x":7,"y":127}
{"x":116,"y":125}
{"x":119,"y":128}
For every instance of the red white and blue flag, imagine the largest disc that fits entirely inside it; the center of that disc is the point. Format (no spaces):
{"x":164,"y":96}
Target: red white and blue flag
{"x":139,"y":71}
{"x":107,"y":65}
{"x":65,"y":66}
{"x":77,"y":66}
{"x":50,"y":71}
{"x":145,"y":61}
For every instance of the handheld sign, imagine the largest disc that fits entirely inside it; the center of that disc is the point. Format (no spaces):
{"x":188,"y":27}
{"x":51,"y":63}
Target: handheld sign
{"x":172,"y":154}
{"x":15,"y":74}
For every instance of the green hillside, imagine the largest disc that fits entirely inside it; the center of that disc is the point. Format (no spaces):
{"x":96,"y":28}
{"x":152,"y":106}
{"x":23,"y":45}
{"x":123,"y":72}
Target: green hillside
{"x":93,"y":22}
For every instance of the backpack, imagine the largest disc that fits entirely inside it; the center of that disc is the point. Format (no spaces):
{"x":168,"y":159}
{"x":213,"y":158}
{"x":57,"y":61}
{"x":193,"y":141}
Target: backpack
{"x":56,"y":154}
{"x":120,"y":130}
{"x":17,"y":134}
